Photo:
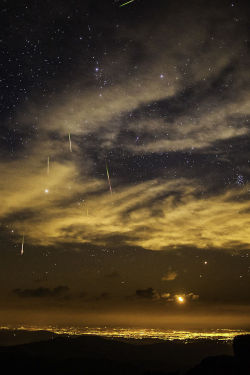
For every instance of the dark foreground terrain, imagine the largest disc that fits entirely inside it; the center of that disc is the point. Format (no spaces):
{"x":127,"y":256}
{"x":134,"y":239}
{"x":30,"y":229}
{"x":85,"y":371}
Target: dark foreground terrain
{"x":47,"y":353}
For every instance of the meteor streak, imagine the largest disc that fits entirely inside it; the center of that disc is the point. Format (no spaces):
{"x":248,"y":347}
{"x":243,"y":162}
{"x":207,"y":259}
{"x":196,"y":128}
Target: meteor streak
{"x":22,"y":249}
{"x":128,"y":2}
{"x":110,"y":187}
{"x":70,"y":144}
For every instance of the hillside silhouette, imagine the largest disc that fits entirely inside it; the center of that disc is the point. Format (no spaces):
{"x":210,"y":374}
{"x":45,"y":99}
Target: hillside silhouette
{"x":59,"y":354}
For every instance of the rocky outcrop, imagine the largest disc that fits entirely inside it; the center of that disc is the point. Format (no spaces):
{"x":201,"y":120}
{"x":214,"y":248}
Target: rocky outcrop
{"x":238,"y":364}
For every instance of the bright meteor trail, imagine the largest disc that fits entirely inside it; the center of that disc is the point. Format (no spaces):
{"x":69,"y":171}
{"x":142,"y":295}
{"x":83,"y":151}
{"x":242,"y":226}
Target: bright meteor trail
{"x":110,"y":187}
{"x":70,"y":144}
{"x":128,"y":2}
{"x":22,"y":247}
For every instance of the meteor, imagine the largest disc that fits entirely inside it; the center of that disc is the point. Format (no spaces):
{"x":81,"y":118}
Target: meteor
{"x":128,"y":2}
{"x":22,"y":249}
{"x":70,"y":144}
{"x":109,"y":182}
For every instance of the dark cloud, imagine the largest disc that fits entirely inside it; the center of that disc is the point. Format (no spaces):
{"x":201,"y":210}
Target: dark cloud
{"x":41,"y":292}
{"x":148,"y":293}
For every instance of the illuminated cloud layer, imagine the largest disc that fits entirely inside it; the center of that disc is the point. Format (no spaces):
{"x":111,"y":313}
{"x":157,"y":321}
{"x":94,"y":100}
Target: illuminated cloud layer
{"x":155,"y":215}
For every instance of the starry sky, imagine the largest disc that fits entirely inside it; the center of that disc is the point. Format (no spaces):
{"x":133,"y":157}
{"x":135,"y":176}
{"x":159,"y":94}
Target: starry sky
{"x":125,"y":162}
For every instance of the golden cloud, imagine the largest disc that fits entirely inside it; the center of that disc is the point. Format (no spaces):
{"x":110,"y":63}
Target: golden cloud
{"x":169,"y":276}
{"x":155,"y":215}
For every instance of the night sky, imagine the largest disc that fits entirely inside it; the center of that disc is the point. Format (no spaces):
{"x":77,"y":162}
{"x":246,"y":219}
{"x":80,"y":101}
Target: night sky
{"x":125,"y":162}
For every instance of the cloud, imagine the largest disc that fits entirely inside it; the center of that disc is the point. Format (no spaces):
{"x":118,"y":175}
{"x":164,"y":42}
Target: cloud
{"x":148,"y":293}
{"x":186,"y":297}
{"x":180,"y":92}
{"x":153,"y":111}
{"x":199,"y":132}
{"x":169,"y":276}
{"x":163,"y":297}
{"x":41,"y":292}
{"x":155,"y":215}
{"x":193,"y":296}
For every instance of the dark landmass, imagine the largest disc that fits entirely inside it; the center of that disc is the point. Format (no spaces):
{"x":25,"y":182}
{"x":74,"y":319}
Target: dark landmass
{"x":238,"y":364}
{"x":17,"y":336}
{"x":43,"y":352}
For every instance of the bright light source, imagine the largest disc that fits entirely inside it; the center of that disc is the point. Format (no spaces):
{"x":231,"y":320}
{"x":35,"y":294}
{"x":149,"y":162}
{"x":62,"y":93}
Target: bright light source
{"x":180,"y":299}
